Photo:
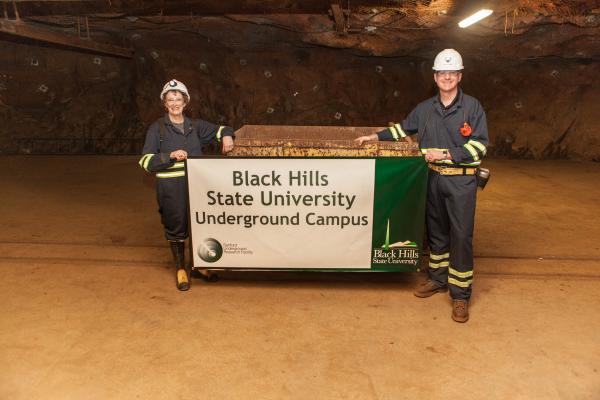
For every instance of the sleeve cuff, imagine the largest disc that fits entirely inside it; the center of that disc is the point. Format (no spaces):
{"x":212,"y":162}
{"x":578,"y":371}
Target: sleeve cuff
{"x":385,"y":135}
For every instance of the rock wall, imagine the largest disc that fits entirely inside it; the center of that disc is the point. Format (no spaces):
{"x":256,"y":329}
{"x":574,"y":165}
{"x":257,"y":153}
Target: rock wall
{"x":61,"y":101}
{"x":49,"y":96}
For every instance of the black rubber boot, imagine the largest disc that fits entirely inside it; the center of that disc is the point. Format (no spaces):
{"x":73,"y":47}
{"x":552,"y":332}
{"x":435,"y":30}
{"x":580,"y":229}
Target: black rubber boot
{"x":183,"y":279}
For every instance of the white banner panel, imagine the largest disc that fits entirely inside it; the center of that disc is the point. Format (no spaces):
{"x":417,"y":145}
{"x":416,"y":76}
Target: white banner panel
{"x":281,"y":213}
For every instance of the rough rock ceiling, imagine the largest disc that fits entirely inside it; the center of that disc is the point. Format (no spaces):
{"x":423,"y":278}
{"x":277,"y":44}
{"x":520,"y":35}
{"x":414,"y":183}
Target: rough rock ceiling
{"x":185,"y":7}
{"x":368,"y":27}
{"x":410,"y":9}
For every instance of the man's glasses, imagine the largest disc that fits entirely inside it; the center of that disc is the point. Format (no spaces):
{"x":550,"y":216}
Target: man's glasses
{"x":452,"y":74}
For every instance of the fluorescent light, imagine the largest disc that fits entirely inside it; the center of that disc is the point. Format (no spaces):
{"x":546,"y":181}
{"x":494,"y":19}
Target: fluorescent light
{"x":478,"y":16}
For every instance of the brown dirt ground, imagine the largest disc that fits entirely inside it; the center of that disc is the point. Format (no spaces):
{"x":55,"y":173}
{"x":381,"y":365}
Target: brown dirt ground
{"x":88,"y":306}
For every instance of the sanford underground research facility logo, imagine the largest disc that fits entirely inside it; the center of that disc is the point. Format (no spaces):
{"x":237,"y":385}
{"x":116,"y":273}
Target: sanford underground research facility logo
{"x":210,"y":250}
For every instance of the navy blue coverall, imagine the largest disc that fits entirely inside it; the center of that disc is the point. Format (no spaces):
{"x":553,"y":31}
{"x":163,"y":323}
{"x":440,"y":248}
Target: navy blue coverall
{"x":171,"y":183}
{"x":450,"y":198}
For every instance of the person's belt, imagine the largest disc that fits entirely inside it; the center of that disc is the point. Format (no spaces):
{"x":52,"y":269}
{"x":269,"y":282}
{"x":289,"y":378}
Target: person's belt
{"x":452,"y":170}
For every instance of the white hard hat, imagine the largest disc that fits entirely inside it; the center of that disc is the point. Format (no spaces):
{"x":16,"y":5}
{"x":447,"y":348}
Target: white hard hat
{"x":448,"y":60}
{"x":174,"y":84}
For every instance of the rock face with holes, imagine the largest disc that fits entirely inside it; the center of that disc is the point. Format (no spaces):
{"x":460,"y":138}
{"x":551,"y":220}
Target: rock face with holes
{"x":533,"y":65}
{"x":55,"y":100}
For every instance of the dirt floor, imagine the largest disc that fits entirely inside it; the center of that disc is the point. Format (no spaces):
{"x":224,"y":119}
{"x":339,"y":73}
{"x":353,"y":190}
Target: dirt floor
{"x":89,"y":309}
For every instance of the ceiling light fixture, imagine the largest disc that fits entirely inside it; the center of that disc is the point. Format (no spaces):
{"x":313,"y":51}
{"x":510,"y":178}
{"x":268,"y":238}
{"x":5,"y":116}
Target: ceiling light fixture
{"x":478,"y":16}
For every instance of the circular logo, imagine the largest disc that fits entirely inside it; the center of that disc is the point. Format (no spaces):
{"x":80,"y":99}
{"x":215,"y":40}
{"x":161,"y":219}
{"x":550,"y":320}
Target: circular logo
{"x":210,"y":250}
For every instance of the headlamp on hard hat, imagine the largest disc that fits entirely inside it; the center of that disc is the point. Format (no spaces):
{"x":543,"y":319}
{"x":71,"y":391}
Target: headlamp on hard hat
{"x":176,"y":85}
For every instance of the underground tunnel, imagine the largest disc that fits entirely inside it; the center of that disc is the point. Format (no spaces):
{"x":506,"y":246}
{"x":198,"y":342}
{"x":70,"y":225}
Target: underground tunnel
{"x":89,"y":301}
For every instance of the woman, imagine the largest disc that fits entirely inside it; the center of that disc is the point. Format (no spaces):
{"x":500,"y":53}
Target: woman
{"x":169,"y":141}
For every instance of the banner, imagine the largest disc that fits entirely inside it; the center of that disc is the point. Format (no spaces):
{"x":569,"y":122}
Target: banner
{"x":314,"y":213}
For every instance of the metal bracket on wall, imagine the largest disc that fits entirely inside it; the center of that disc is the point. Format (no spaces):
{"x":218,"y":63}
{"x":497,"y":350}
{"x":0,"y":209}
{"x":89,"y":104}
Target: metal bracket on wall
{"x":16,"y":15}
{"x":338,"y":17}
{"x":87,"y":27}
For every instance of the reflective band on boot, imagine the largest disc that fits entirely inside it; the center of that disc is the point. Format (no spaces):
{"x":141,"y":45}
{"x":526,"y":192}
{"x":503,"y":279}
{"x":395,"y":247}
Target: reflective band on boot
{"x":182,"y":280}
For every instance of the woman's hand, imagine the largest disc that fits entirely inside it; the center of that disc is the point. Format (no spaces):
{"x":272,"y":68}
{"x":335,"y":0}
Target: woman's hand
{"x":362,"y":139}
{"x":227,"y":144}
{"x":179,"y":155}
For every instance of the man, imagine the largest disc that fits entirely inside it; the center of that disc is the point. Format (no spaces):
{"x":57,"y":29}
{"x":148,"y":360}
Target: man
{"x":452,"y":132}
{"x":169,"y":142}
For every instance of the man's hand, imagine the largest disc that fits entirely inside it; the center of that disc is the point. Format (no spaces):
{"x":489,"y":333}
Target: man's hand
{"x":434,"y":155}
{"x":362,"y":139}
{"x":179,"y":155}
{"x":227,"y":144}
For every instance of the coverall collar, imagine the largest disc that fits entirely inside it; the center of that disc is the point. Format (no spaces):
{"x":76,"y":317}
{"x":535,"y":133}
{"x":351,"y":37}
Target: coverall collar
{"x":187,"y":124}
{"x":456,"y":103}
